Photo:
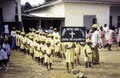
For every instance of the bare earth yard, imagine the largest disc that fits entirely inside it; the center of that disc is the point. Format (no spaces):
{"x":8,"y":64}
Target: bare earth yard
{"x":22,"y":66}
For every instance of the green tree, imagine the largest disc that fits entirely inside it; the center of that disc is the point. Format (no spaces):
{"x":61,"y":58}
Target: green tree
{"x":27,"y":6}
{"x":49,"y":0}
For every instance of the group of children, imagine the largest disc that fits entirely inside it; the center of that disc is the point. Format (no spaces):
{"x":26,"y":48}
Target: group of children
{"x":44,"y":47}
{"x":39,"y":45}
{"x":4,"y":52}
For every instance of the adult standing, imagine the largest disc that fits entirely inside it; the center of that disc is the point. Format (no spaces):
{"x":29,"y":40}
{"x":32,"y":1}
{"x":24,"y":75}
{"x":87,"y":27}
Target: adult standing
{"x":102,"y":37}
{"x":95,"y":39}
{"x":118,"y":39}
{"x":40,"y":29}
{"x":106,"y":29}
{"x":50,"y":30}
{"x":55,"y":33}
{"x":6,"y":29}
{"x":111,"y":37}
{"x":13,"y":34}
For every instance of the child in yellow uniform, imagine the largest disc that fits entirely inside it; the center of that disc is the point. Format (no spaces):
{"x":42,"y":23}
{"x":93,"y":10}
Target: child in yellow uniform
{"x":70,"y":55}
{"x":58,"y":54}
{"x":23,"y":42}
{"x":77,"y":53}
{"x":50,"y":38}
{"x":63,"y":49}
{"x":48,"y":55}
{"x":27,"y":44}
{"x":88,"y":54}
{"x":32,"y":47}
{"x":18,"y":39}
{"x":43,"y":48}
{"x":36,"y":53}
{"x":40,"y":52}
{"x":17,"y":36}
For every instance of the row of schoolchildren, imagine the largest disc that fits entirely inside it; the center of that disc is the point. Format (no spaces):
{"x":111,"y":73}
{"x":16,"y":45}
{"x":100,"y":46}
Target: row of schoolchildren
{"x":43,"y":47}
{"x":39,"y":45}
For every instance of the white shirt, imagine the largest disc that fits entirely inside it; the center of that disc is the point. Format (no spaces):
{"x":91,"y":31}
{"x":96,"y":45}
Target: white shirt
{"x":106,"y":29}
{"x":13,"y":33}
{"x":3,"y":55}
{"x":48,"y":50}
{"x":119,"y":32}
{"x":56,"y":33}
{"x":95,"y":39}
{"x":40,"y":30}
{"x":6,"y":29}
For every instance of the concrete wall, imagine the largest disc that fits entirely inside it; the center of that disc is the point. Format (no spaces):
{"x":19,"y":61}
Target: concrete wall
{"x":51,"y":11}
{"x":114,"y":12}
{"x":74,"y":13}
{"x":8,"y":7}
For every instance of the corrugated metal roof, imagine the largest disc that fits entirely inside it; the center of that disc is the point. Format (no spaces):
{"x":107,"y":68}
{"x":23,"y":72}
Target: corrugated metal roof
{"x":114,"y":1}
{"x":111,"y":2}
{"x":102,"y":0}
{"x":43,"y":5}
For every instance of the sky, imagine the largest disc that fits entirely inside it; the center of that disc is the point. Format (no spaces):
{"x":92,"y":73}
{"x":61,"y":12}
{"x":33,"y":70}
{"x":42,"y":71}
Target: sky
{"x":32,"y":2}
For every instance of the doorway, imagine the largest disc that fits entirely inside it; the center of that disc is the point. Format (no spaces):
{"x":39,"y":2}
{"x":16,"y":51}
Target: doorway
{"x":55,"y":23}
{"x":89,"y":20}
{"x":1,"y":20}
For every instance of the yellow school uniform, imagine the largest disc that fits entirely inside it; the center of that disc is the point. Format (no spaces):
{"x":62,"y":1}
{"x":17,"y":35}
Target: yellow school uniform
{"x":69,"y":53}
{"x":52,"y":43}
{"x":77,"y":51}
{"x":57,"y":47}
{"x":43,"y":48}
{"x":63,"y":48}
{"x":89,"y":53}
{"x":18,"y":41}
{"x":39,"y":51}
{"x":17,"y":36}
{"x":48,"y":52}
{"x":27,"y":44}
{"x":36,"y":52}
{"x":32,"y":47}
{"x":23,"y":42}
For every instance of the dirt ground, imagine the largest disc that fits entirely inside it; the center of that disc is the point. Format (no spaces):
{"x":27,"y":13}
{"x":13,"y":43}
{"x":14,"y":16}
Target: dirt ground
{"x":22,"y":66}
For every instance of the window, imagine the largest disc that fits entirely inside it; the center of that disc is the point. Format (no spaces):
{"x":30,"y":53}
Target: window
{"x":118,"y":20}
{"x":111,"y":20}
{"x":94,"y":20}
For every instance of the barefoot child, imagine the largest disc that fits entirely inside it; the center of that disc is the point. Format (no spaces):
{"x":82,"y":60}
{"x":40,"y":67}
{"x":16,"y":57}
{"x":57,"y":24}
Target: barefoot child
{"x":48,"y":55}
{"x":3,"y":58}
{"x":6,"y":46}
{"x":88,"y":53}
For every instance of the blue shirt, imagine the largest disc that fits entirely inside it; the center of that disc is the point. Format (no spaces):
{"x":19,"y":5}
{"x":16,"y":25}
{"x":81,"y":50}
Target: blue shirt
{"x":7,"y":48}
{"x":3,"y":55}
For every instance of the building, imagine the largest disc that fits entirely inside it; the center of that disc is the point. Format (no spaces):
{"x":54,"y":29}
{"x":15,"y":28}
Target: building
{"x":10,"y":14}
{"x":78,"y":13}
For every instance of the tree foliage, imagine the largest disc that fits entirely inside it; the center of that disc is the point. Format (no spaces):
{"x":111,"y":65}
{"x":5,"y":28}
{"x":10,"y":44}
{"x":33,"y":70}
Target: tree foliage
{"x":48,"y":0}
{"x":27,"y":6}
